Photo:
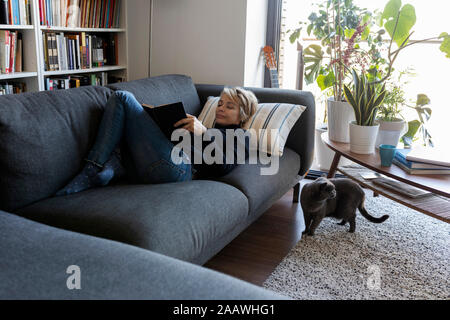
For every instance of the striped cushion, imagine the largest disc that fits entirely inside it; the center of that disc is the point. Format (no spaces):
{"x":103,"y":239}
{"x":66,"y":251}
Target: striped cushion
{"x":280,"y":117}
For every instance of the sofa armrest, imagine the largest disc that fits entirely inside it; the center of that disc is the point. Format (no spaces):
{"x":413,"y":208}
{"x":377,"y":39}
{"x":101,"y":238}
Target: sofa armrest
{"x":301,"y":137}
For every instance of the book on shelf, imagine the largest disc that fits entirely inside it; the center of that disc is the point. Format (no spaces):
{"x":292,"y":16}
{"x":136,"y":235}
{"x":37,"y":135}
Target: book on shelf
{"x":419,"y":171}
{"x":400,"y":187}
{"x":12,"y":88}
{"x":15,"y":12}
{"x":401,"y":154}
{"x":80,"y":13}
{"x":166,"y":116}
{"x":11,"y":52}
{"x":77,"y":51}
{"x":435,"y":156}
{"x":76,"y":81}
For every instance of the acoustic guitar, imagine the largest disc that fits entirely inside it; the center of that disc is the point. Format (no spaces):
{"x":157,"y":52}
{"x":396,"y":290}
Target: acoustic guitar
{"x":271,"y":64}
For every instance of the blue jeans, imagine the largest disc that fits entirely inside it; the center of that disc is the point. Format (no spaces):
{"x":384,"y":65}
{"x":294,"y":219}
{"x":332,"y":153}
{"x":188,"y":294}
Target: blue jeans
{"x":149,"y":148}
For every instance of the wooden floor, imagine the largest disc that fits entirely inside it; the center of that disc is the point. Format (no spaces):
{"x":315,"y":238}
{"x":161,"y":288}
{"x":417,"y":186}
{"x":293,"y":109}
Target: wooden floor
{"x":257,"y":251}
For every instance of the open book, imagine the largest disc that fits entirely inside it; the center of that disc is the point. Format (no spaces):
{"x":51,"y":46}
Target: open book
{"x":166,"y":116}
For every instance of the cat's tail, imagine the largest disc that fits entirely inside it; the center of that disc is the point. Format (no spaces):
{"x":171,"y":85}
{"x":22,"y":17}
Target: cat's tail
{"x":366,"y":215}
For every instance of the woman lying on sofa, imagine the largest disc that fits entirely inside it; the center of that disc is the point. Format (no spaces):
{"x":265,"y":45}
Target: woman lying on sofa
{"x":150,"y":150}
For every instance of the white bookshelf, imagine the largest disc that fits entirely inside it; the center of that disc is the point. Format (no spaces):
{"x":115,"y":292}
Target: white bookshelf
{"x":92,"y":70}
{"x":34,"y":73}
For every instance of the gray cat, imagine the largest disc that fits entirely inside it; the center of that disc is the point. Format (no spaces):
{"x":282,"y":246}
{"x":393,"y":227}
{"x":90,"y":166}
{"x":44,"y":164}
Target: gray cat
{"x":336,"y":198}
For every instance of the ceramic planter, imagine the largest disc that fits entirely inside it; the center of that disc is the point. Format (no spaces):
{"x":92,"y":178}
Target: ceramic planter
{"x":340,"y":114}
{"x":391,"y":131}
{"x":324,"y":155}
{"x":363,"y":138}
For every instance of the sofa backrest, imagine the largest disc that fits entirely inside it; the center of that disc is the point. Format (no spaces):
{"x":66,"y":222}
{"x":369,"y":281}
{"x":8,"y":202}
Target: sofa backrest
{"x":163,"y":90}
{"x":44,"y":137}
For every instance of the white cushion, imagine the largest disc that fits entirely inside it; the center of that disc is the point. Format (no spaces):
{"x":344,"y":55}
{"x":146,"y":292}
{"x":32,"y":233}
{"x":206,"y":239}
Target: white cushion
{"x":280,"y":117}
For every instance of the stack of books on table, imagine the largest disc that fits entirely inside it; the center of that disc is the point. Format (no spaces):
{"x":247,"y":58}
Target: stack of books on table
{"x":423,"y":161}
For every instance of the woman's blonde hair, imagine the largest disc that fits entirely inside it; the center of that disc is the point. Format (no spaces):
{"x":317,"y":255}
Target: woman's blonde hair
{"x":245,"y":99}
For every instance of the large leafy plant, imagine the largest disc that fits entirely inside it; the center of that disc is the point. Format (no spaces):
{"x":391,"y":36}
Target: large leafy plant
{"x":340,"y":26}
{"x":398,"y":21}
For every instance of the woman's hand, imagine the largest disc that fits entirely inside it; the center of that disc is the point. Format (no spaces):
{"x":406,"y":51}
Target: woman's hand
{"x":191,"y":124}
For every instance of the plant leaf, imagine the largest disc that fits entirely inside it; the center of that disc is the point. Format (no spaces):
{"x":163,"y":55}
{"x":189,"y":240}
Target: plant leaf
{"x":391,"y":9}
{"x":406,"y":20}
{"x":351,"y":99}
{"x":349,"y":33}
{"x":313,"y":61}
{"x":445,"y":45}
{"x":413,"y":127}
{"x":325,"y":82}
{"x":422,"y":100}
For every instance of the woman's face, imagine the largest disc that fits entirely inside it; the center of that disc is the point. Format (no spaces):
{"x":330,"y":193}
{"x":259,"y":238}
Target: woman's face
{"x":227,"y":112}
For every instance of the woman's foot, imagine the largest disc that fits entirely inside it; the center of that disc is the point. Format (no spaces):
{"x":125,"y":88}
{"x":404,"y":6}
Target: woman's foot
{"x":95,"y":176}
{"x":83,"y":181}
{"x":112,"y":169}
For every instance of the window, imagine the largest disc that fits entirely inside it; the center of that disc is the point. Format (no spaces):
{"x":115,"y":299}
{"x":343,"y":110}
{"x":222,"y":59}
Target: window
{"x":430,"y":65}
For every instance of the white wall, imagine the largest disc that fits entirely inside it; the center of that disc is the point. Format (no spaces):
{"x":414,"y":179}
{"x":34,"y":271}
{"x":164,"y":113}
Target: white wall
{"x":213,"y":41}
{"x":138,"y":27}
{"x":255,"y":40}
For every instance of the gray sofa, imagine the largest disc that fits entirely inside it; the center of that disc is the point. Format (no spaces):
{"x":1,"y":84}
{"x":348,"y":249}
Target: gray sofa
{"x":133,"y":240}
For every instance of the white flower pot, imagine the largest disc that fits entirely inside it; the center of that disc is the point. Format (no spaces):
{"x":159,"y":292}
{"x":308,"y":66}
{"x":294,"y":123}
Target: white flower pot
{"x":391,"y":131}
{"x":363,"y":138}
{"x":340,"y":114}
{"x":324,"y":155}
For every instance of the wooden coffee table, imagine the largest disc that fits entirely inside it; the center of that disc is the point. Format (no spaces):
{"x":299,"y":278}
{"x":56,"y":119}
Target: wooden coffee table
{"x":436,"y":205}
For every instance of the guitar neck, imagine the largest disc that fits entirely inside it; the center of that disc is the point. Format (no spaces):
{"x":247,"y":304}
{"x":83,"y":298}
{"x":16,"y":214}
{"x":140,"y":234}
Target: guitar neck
{"x":274,"y":78}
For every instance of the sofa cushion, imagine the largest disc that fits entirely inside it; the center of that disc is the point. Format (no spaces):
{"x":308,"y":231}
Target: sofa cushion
{"x":163,"y":90}
{"x":176,"y":219}
{"x":35,"y":257}
{"x":43,"y":138}
{"x":265,"y":189}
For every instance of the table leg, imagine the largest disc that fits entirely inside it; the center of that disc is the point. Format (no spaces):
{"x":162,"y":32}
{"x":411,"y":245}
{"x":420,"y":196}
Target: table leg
{"x":334,"y":165}
{"x":296,"y":193}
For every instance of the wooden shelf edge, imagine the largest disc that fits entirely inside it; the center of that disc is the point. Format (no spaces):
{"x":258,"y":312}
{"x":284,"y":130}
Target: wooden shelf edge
{"x":16,"y":27}
{"x":67,"y":29}
{"x":93,"y":70}
{"x":415,"y":204}
{"x":18,"y":75}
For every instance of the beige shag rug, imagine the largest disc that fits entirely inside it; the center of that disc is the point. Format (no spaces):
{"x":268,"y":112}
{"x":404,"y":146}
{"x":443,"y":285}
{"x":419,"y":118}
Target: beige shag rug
{"x":406,"y":257}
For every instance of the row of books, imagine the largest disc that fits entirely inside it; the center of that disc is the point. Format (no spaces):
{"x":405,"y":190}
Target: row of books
{"x":76,"y":81}
{"x":16,"y":12}
{"x":11,"y":51}
{"x":80,"y":13}
{"x":423,"y":161}
{"x":76,"y":51}
{"x":12,"y":88}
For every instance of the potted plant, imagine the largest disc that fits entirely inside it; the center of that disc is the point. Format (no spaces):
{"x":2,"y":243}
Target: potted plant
{"x":365,"y":98}
{"x":340,"y":26}
{"x":320,"y":68}
{"x":392,"y":124}
{"x":397,"y":21}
